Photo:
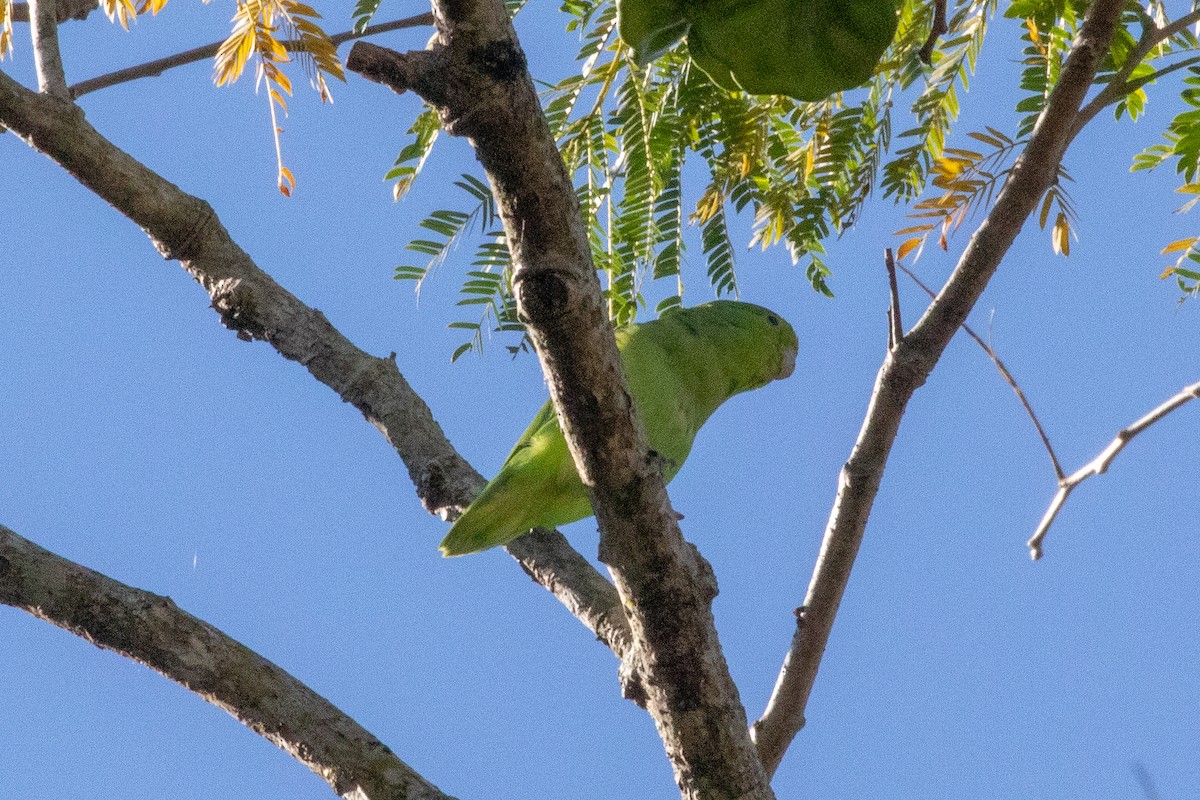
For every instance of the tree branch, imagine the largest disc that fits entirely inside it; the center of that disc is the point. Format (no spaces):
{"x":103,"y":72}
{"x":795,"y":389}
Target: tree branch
{"x":936,"y":29}
{"x":1120,"y":85}
{"x":253,"y":305}
{"x":906,"y":368}
{"x":475,"y":73}
{"x":153,"y":631}
{"x":64,"y":10}
{"x":1099,"y":464}
{"x":895,"y":324}
{"x":1004,"y":373}
{"x":46,"y":57}
{"x":157,"y":67}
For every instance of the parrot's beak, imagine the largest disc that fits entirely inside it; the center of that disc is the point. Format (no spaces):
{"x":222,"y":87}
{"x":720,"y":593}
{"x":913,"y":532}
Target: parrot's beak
{"x":788,"y":365}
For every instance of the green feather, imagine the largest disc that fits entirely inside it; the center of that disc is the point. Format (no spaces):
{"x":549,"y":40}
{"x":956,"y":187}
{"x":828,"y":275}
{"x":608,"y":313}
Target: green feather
{"x":680,"y":369}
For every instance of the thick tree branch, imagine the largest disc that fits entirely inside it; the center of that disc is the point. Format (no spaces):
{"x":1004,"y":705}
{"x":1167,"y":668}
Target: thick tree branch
{"x":905,"y":369}
{"x":1099,"y":465}
{"x":46,"y":57}
{"x":256,"y":307}
{"x":153,"y":631}
{"x":63,"y":9}
{"x":474,"y":72}
{"x":157,"y":67}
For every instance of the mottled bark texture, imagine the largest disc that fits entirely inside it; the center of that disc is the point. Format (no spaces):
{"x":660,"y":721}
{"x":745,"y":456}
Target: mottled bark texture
{"x":63,"y":10}
{"x":254,"y":306}
{"x":474,"y":73}
{"x":153,"y":631}
{"x":906,"y":368}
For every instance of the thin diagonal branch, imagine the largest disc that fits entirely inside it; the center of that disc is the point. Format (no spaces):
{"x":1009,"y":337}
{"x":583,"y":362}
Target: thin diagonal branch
{"x":1004,"y":373}
{"x":153,"y":631}
{"x":47,"y":59}
{"x":666,"y":588}
{"x":157,"y":67}
{"x":907,"y":367}
{"x":1099,"y":465}
{"x":252,"y":304}
{"x":895,"y":325}
{"x":936,"y":30}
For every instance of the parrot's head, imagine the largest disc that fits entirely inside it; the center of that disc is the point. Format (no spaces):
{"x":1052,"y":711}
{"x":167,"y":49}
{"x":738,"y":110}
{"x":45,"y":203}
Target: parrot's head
{"x":781,"y":336}
{"x":761,"y":346}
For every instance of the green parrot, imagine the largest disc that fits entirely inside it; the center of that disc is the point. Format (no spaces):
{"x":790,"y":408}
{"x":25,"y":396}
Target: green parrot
{"x":805,"y":49}
{"x":680,"y":368}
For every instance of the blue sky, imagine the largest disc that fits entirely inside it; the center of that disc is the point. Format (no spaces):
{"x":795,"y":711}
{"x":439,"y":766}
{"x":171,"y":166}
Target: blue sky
{"x":145,"y":441}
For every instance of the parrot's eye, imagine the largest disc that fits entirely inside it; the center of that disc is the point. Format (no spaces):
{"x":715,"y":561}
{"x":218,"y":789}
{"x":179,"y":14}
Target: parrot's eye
{"x":774,"y":320}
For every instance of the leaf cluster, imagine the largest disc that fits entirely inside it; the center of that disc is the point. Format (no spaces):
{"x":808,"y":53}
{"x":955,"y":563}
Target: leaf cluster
{"x":273,"y":32}
{"x":665,"y":162}
{"x":256,"y":28}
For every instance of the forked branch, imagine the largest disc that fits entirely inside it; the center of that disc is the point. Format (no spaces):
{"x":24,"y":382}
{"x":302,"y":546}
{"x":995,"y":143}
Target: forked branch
{"x":1099,"y":464}
{"x":906,"y":368}
{"x":666,"y":588}
{"x":254,"y":306}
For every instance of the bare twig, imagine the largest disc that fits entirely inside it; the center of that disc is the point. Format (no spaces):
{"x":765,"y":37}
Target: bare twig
{"x":936,"y":30}
{"x":666,"y":589}
{"x":153,"y":631}
{"x":907,"y":367}
{"x":895,"y":326}
{"x":1004,"y":373}
{"x":157,"y":67}
{"x":256,"y":307}
{"x":1099,"y":464}
{"x":1145,"y":780}
{"x":46,"y":58}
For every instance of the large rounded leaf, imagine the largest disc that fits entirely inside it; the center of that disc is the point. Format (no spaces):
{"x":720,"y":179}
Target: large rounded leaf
{"x":806,"y":49}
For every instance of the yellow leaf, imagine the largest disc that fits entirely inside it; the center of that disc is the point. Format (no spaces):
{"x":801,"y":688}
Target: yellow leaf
{"x":1181,"y":244}
{"x":913,"y":229}
{"x":1061,"y":236}
{"x":1033,"y":33}
{"x":281,"y":80}
{"x":1168,"y":272}
{"x":286,"y":181}
{"x":300,"y":9}
{"x":6,"y":30}
{"x":1045,"y":212}
{"x":907,"y":246}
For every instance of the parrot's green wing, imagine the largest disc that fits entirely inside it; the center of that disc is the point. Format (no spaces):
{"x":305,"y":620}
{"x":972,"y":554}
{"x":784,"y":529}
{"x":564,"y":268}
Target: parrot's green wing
{"x":680,"y":368}
{"x":805,"y":49}
{"x":537,"y":487}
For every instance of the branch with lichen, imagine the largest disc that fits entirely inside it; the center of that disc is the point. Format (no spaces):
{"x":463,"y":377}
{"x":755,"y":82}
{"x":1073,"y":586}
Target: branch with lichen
{"x":153,"y":631}
{"x":255,"y":306}
{"x":474,"y":72}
